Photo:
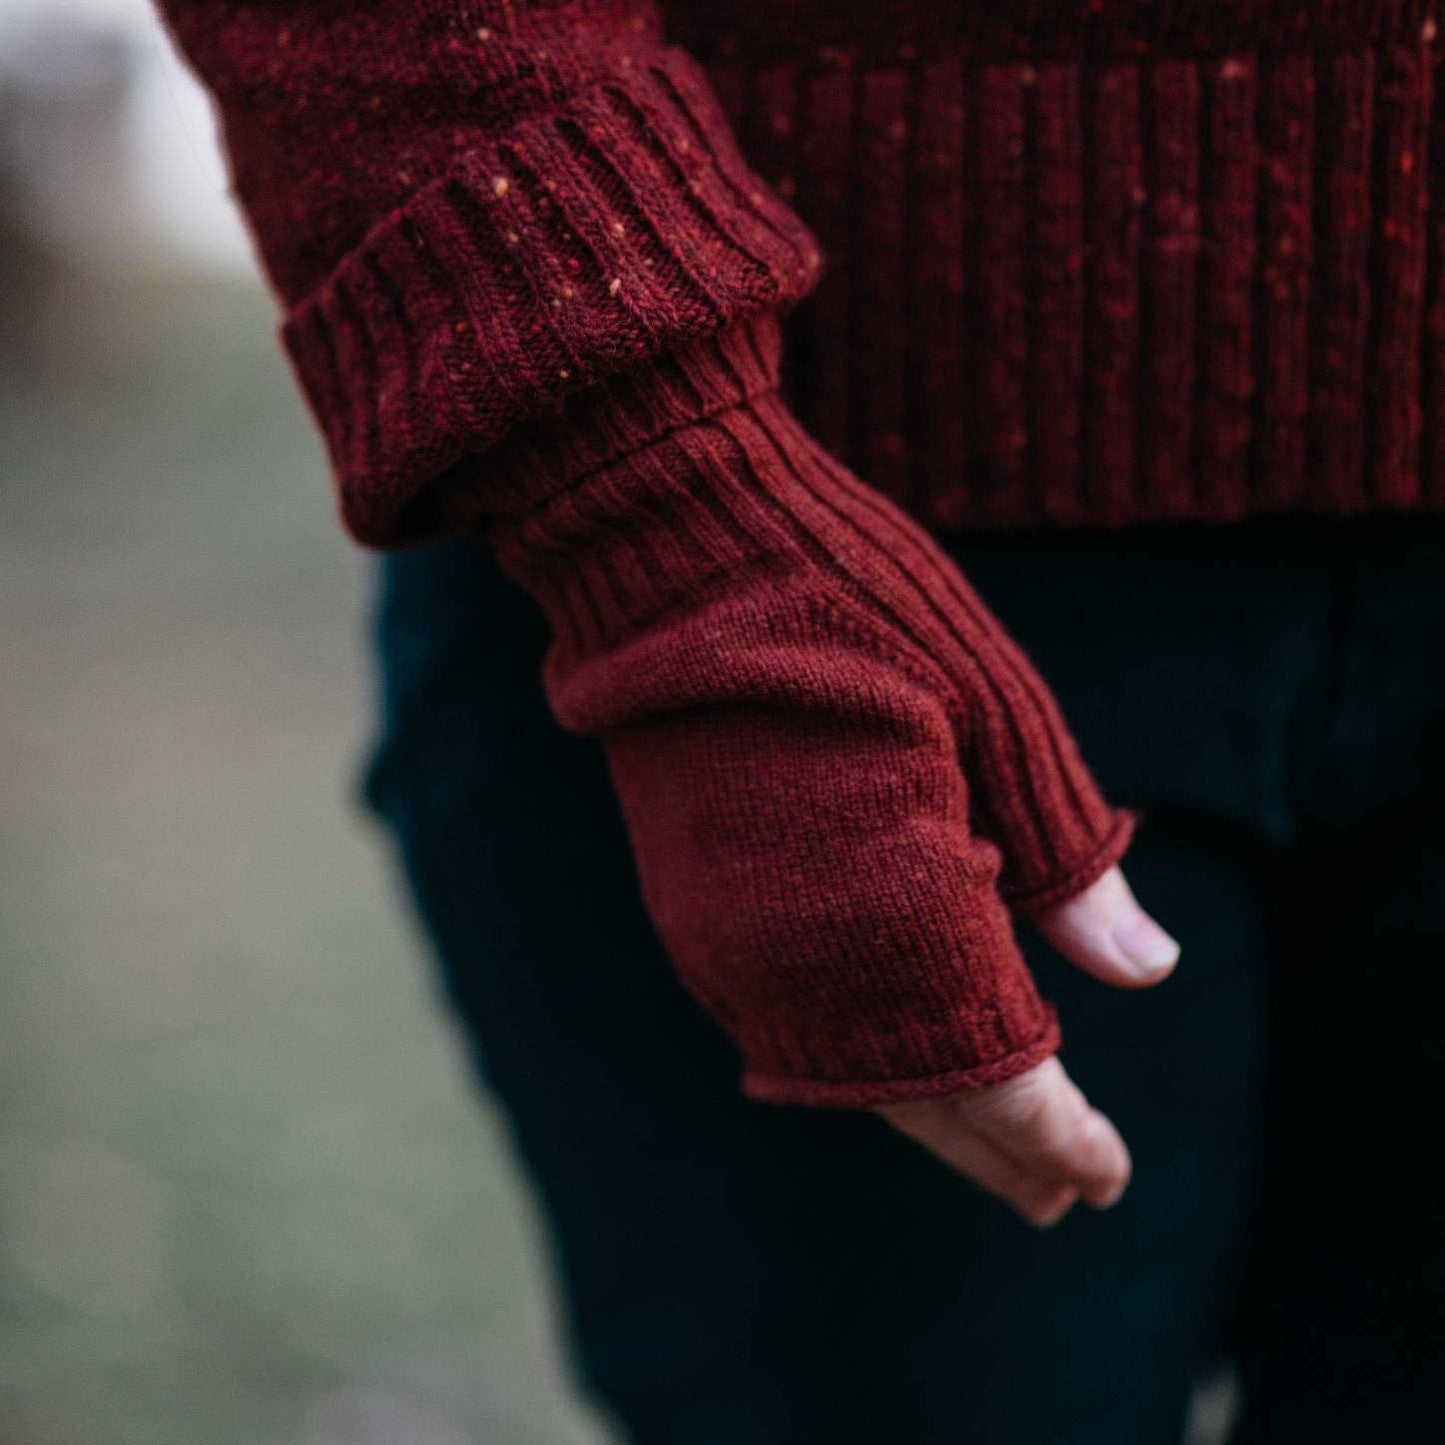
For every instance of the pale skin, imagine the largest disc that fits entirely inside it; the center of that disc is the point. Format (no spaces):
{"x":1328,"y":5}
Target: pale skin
{"x":1035,"y":1142}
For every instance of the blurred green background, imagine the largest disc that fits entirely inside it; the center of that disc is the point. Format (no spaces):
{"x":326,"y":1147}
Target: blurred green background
{"x":247,"y":1195}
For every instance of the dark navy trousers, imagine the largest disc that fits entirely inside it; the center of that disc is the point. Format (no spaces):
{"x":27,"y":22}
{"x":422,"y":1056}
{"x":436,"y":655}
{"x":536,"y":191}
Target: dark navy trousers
{"x":1272,"y":697}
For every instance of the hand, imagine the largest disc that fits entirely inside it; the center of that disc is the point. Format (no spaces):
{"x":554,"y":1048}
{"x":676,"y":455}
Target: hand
{"x":1035,"y":1142}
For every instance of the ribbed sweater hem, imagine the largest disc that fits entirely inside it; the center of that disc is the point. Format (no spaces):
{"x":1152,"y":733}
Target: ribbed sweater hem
{"x":1195,"y":277}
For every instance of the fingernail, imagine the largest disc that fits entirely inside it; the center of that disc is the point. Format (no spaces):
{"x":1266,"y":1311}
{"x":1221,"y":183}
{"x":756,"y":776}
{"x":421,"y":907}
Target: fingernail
{"x":1145,"y":945}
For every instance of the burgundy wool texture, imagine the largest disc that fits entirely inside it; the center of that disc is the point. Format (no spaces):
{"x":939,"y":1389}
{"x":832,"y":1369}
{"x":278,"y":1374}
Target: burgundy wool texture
{"x":1013,"y":264}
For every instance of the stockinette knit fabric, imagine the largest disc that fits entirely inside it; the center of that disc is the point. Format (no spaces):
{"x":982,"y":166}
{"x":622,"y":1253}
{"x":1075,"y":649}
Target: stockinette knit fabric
{"x":1062,"y":262}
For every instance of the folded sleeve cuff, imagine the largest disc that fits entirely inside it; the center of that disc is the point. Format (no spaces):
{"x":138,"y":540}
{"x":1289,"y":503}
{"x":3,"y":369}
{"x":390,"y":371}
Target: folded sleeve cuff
{"x":613,"y":229}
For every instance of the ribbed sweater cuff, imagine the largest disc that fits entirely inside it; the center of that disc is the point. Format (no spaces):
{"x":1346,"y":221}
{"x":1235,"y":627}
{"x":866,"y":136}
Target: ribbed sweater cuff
{"x":616,"y":228}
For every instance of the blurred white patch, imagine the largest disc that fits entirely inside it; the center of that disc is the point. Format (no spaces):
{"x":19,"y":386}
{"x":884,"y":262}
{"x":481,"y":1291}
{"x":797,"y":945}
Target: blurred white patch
{"x":108,"y":146}
{"x":368,"y":1415}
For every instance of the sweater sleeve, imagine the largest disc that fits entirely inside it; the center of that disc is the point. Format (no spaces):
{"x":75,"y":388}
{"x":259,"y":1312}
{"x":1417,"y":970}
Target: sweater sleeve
{"x":532,"y":292}
{"x":472,"y":211}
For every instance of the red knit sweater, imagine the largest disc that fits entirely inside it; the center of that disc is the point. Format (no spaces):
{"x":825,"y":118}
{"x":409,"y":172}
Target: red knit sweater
{"x":1080,"y":261}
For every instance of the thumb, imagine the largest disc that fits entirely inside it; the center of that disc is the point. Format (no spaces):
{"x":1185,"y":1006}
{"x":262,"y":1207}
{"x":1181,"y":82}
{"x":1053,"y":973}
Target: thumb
{"x":1104,"y":931}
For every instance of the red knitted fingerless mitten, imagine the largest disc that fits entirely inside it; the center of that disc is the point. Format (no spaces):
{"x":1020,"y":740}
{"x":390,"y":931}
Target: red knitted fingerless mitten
{"x":838,"y":773}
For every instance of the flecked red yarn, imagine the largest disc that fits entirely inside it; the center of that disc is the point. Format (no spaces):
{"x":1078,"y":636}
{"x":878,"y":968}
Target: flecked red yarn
{"x":1064,"y":261}
{"x":1086,"y":260}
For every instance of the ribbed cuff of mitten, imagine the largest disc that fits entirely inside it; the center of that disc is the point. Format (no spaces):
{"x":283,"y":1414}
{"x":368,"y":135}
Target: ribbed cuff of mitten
{"x":837,"y":770}
{"x":610,"y":430}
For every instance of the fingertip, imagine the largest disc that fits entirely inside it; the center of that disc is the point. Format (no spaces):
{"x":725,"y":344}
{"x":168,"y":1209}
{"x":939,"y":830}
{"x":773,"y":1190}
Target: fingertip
{"x":1049,"y":1213}
{"x":1106,"y":933}
{"x":1107,"y":1186}
{"x":1147,"y":949}
{"x":1107,"y":1198}
{"x":1111,"y":1165}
